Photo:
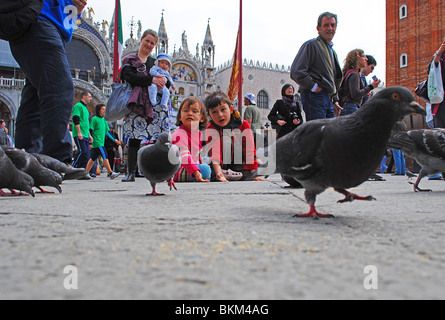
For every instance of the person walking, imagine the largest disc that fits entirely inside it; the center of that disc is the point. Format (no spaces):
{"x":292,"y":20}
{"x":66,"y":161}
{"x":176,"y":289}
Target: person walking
{"x":47,"y":97}
{"x":317,"y":71}
{"x":439,"y":109}
{"x":145,"y":122}
{"x":81,"y":130}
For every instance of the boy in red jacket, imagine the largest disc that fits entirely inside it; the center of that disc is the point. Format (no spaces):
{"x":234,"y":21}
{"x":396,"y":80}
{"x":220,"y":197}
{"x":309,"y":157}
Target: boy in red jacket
{"x":229,"y":141}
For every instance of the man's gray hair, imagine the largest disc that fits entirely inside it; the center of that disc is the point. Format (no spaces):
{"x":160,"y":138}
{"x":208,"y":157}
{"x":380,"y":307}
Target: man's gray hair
{"x":328,"y":15}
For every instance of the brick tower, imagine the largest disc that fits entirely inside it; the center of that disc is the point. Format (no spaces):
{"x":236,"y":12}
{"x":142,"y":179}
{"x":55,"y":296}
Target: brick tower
{"x":414,"y":31}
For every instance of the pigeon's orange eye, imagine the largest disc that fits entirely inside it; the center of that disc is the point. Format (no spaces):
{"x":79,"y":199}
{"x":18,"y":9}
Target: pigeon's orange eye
{"x":395,"y":96}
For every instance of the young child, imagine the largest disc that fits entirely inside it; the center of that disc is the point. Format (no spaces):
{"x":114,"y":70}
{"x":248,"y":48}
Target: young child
{"x":99,"y":128}
{"x":161,"y":68}
{"x":229,"y":141}
{"x":191,"y":119}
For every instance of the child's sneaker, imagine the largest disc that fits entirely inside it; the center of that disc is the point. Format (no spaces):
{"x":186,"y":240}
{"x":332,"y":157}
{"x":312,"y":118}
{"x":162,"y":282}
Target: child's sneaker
{"x":113,"y":175}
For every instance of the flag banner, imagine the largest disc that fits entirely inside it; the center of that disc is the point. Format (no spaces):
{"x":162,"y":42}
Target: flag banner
{"x":236,"y":79}
{"x":118,"y":40}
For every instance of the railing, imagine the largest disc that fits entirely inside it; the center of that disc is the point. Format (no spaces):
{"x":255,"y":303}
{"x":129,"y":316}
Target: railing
{"x":12,"y":83}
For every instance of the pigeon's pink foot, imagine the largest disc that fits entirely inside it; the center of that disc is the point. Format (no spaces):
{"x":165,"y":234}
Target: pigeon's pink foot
{"x":349,"y":197}
{"x":154,"y":193}
{"x":313,"y":214}
{"x":171,"y":184}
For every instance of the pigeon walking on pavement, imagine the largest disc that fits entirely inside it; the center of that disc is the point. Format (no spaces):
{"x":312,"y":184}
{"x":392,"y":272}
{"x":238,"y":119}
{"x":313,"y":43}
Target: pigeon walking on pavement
{"x":12,"y":178}
{"x":66,"y":171}
{"x":29,"y":164}
{"x":159,"y":162}
{"x":343,"y":152}
{"x":427,"y":147}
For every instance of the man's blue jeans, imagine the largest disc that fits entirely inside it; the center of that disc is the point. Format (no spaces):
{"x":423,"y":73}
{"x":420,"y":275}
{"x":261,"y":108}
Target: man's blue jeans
{"x":48,"y":95}
{"x":83,"y":146}
{"x":316,"y":105}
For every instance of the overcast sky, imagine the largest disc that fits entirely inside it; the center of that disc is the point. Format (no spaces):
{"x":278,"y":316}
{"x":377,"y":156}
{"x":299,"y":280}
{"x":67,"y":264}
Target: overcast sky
{"x":273,"y":31}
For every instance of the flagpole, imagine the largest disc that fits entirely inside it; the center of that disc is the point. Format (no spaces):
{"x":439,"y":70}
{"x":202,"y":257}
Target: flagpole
{"x":240,"y":75}
{"x":116,"y":42}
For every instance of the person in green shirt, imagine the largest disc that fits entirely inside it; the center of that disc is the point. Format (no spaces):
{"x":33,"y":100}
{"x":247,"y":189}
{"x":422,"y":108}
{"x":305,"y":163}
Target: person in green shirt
{"x":99,"y":129}
{"x":81,"y":130}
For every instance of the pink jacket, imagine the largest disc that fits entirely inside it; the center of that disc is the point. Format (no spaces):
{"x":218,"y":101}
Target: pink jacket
{"x":190,"y":146}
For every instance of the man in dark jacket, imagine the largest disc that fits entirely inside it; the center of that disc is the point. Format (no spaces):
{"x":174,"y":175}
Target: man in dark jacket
{"x":317,"y":71}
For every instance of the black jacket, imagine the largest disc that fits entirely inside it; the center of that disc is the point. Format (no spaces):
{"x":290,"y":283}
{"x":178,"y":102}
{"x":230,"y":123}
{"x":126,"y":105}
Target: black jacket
{"x":281,"y":111}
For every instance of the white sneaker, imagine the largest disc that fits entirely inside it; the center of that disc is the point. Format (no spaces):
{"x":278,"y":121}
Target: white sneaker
{"x":113,"y":175}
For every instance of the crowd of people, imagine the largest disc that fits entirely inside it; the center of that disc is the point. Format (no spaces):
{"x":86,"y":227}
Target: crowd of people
{"x":209,"y":124}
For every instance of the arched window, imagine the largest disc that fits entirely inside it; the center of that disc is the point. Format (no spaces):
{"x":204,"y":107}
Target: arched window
{"x":263,"y":100}
{"x":403,"y":11}
{"x":403,"y":60}
{"x":82,"y":57}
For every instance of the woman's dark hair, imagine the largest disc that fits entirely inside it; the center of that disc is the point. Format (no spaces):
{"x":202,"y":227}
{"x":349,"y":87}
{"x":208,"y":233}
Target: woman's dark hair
{"x":216,"y":99}
{"x":98,"y":108}
{"x":187,"y":103}
{"x":285,"y":87}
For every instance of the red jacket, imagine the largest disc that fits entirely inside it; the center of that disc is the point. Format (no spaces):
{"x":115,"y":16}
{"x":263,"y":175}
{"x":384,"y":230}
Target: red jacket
{"x":218,"y":145}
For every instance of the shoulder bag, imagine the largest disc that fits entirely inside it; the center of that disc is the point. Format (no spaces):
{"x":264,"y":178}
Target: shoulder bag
{"x":117,"y":102}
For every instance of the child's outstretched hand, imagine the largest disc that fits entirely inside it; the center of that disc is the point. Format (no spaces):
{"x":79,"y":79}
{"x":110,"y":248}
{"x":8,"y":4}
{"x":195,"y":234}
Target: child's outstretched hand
{"x":198,"y":177}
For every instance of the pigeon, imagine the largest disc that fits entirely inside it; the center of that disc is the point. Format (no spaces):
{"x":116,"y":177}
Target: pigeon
{"x":343,"y":152}
{"x":12,"y":178}
{"x":29,"y":164}
{"x":159,"y":162}
{"x":66,"y":171}
{"x":427,"y":147}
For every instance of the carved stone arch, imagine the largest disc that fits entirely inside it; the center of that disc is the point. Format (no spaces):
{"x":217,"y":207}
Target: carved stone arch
{"x":98,"y":48}
{"x":13,"y":108}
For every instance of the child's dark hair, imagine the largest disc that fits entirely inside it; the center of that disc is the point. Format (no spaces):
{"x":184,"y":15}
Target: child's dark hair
{"x":98,"y":108}
{"x":187,"y":103}
{"x":216,"y":99}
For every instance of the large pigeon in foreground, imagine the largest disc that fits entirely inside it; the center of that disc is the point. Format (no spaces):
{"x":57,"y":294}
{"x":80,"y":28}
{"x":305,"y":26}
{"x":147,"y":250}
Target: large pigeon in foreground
{"x":29,"y":164}
{"x":159,"y":162}
{"x":66,"y":171}
{"x":426,"y":146}
{"x":343,"y":152}
{"x":12,"y":178}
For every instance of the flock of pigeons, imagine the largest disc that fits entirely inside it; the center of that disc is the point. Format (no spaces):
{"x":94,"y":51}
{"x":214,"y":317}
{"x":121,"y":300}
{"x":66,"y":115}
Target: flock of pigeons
{"x":340,"y":153}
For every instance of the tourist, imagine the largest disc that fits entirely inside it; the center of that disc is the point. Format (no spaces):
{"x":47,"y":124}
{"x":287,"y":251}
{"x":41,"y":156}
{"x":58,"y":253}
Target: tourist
{"x":47,"y":98}
{"x":99,"y":129}
{"x":191,"y":119}
{"x":317,"y":71}
{"x":144,"y":122}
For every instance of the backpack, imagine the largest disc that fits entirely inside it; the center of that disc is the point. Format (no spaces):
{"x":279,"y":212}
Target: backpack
{"x":16,"y":16}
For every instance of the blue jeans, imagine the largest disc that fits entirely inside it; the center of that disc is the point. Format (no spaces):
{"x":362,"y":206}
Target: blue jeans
{"x":48,"y":95}
{"x":317,"y":105}
{"x":82,"y":158}
{"x":399,"y":161}
{"x":348,"y":108}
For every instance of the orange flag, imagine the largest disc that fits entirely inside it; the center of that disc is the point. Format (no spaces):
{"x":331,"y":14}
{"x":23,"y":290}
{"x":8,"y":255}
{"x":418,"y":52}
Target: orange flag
{"x":236,"y":79}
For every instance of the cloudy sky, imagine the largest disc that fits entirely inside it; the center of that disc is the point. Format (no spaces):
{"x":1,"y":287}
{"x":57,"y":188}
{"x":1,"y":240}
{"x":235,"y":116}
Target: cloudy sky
{"x":273,"y":31}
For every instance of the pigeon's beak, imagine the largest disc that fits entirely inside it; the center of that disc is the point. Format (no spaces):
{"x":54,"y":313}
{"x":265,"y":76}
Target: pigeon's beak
{"x":417,"y":108}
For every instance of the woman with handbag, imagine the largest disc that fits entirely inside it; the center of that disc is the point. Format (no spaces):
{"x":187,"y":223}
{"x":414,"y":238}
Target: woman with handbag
{"x":144,"y":123}
{"x":439,"y":109}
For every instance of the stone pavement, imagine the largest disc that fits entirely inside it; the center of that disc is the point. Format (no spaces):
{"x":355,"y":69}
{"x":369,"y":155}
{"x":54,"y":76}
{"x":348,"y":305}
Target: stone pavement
{"x":234,"y":240}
